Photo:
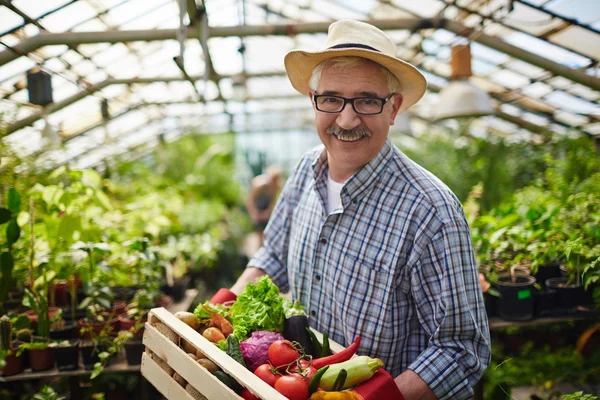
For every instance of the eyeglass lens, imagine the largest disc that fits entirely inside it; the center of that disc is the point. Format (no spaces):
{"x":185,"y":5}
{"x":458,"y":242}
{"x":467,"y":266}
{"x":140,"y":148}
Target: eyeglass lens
{"x":363,"y":105}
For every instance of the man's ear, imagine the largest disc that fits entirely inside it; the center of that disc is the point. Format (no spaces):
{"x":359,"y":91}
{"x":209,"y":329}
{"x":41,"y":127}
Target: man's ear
{"x":398,"y":100}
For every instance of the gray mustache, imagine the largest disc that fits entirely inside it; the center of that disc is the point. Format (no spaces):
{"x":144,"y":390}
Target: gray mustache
{"x":337,"y":131}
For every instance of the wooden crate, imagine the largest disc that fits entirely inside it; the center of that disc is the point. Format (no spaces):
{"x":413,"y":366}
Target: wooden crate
{"x":175,"y":358}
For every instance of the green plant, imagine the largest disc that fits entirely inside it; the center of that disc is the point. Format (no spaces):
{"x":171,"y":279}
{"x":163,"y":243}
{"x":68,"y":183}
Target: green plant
{"x":5,"y":333}
{"x":578,"y":396}
{"x":9,"y":216}
{"x":47,"y":393}
{"x":114,"y":346}
{"x":36,"y":345}
{"x":39,"y":304}
{"x":98,"y":300}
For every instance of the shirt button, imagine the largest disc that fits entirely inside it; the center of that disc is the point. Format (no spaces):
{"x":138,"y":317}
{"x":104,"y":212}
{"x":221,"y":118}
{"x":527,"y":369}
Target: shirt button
{"x":323,"y":241}
{"x":318,"y":278}
{"x":354,"y":201}
{"x":313,"y":313}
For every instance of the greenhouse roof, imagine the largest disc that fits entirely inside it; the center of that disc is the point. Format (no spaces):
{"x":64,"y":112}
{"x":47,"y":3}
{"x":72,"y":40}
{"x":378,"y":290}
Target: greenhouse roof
{"x":538,"y":59}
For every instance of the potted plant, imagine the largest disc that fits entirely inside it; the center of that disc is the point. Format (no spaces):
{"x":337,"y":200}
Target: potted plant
{"x":40,"y":356}
{"x":66,"y":354}
{"x":60,"y":329}
{"x":8,"y":216}
{"x":94,"y":344}
{"x":47,"y":393}
{"x":98,"y":310}
{"x":11,"y":363}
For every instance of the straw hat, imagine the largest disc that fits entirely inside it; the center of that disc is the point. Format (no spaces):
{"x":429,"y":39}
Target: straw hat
{"x":353,"y":38}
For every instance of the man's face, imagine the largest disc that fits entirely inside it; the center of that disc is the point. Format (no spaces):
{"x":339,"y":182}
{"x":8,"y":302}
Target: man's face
{"x":351,"y":139}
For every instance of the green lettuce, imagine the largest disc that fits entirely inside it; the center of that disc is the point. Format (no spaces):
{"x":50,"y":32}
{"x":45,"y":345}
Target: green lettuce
{"x":258,"y":308}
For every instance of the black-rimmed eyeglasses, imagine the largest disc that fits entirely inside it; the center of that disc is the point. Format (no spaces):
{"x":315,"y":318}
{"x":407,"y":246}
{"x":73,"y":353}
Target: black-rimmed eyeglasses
{"x":361,"y":105}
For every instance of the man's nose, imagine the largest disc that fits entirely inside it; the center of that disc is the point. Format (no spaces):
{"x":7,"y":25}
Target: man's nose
{"x":347,"y":118}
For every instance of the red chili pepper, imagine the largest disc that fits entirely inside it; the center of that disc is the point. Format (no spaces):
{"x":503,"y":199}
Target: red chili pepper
{"x":342,"y":356}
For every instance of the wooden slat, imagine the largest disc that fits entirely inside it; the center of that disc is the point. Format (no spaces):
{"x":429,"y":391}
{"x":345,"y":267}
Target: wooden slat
{"x":198,"y":376}
{"x":164,"y":383}
{"x":180,"y":361}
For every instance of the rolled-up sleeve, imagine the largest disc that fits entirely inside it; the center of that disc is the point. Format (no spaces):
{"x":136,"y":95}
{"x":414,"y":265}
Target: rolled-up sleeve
{"x":450,"y":308}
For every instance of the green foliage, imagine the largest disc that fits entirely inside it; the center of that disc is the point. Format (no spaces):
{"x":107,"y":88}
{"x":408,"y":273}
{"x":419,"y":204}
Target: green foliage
{"x":578,"y":396}
{"x":47,"y":393}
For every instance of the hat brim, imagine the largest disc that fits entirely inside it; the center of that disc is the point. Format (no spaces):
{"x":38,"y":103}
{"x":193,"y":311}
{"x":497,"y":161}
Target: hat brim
{"x":299,"y":65}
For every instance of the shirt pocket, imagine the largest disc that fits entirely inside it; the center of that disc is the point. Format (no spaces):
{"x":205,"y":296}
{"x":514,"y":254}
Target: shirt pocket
{"x":363,"y":293}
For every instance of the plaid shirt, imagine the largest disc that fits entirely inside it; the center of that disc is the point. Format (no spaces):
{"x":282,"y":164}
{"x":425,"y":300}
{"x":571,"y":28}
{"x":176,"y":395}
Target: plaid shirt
{"x":395,"y":267}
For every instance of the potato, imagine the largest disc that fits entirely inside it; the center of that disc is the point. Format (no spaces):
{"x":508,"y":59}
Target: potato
{"x":209,"y":365}
{"x":192,"y":356}
{"x":187,"y":346}
{"x":179,"y":379}
{"x":189,"y":319}
{"x":200,"y":354}
{"x":213,"y":334}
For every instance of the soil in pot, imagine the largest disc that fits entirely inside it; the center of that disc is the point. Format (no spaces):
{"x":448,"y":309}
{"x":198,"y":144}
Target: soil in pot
{"x":133,"y":350}
{"x":516,"y":297}
{"x":69,"y":331}
{"x":66,"y":355}
{"x":41,"y":359}
{"x":14,"y":364}
{"x":568,"y":295}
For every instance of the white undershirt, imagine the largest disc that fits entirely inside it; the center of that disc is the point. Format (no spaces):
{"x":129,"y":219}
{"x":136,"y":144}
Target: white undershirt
{"x":334,"y":199}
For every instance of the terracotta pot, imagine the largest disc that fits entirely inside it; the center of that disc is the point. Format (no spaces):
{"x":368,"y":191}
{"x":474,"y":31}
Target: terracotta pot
{"x":120,"y":307}
{"x":14,"y":365}
{"x":163,"y":300}
{"x":41,"y":359}
{"x":125,"y":323}
{"x":33,"y":317}
{"x":96,"y":326}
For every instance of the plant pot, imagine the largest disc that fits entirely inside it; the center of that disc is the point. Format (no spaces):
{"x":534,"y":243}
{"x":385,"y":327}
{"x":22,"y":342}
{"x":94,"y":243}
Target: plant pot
{"x":178,"y":289}
{"x":126,"y":323}
{"x":162,"y":301}
{"x":545,"y":301}
{"x":133,"y":351}
{"x":60,"y":294}
{"x":119,"y":307}
{"x":96,"y":327}
{"x":79,"y":314}
{"x":33,"y":317}
{"x":68,"y":332}
{"x":12,"y":305}
{"x":568,"y":295}
{"x":546,"y":272}
{"x":491,"y":307}
{"x":14,"y":364}
{"x":124,"y":293}
{"x":516,"y":298}
{"x":89,"y":353}
{"x":67,"y":357}
{"x":41,"y":359}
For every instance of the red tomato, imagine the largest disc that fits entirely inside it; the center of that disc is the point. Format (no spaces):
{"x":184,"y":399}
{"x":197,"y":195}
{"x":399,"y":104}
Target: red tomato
{"x":281,"y":352}
{"x":306,"y":372}
{"x":248,"y":395}
{"x":292,"y":387}
{"x":265,"y":372}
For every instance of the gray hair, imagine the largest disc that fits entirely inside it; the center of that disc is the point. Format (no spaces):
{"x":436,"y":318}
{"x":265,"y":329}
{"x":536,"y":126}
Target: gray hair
{"x":351,"y":62}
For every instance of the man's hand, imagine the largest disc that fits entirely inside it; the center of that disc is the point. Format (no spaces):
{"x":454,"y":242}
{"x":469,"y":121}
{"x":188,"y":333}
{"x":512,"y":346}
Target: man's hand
{"x":249,"y":275}
{"x":413,"y":387}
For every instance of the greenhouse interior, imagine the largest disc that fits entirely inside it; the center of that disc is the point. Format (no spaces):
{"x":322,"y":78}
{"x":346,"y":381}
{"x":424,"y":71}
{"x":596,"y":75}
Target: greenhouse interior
{"x":154,"y":154}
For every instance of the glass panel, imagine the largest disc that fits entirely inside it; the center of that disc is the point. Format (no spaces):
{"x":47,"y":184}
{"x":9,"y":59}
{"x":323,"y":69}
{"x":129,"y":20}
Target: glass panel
{"x":67,"y":17}
{"x":9,"y":19}
{"x":578,"y":39}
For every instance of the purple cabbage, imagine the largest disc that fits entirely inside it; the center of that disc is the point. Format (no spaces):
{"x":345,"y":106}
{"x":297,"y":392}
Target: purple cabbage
{"x":255,"y":348}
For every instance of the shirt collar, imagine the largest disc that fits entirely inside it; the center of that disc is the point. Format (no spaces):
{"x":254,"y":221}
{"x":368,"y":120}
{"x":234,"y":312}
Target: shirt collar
{"x":359,"y":184}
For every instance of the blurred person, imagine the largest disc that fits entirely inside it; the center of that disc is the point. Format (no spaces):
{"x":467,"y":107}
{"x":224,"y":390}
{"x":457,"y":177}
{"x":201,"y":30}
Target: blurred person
{"x":369,"y":242}
{"x":261,"y":200}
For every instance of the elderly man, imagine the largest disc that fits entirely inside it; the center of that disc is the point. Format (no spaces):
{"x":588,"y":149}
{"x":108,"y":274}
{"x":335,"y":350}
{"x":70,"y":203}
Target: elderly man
{"x":369,"y":242}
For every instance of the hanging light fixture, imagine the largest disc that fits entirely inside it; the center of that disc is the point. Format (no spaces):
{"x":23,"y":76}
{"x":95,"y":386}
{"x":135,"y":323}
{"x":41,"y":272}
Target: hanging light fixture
{"x":238,"y":88}
{"x":461,"y":98}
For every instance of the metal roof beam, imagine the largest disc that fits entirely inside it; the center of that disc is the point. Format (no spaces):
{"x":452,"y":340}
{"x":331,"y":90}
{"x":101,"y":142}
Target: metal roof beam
{"x":73,"y":38}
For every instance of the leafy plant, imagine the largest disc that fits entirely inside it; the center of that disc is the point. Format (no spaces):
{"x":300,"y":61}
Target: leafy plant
{"x":47,"y":393}
{"x":8,"y":216}
{"x":578,"y":396}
